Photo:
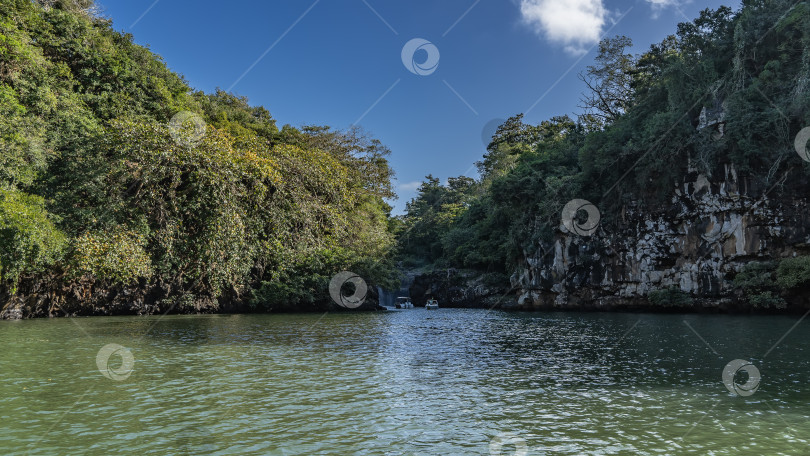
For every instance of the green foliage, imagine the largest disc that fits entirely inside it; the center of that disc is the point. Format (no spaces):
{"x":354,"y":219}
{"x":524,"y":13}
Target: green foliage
{"x":755,"y":276}
{"x":758,"y":281}
{"x":793,"y":272}
{"x":304,"y":284}
{"x":670,"y":297}
{"x":761,"y":283}
{"x":434,"y":210}
{"x":21,"y":140}
{"x":486,"y":224}
{"x":200,"y":204}
{"x":511,"y":140}
{"x":119,"y":257}
{"x":298,"y":287}
{"x":235,"y":115}
{"x":29,"y":240}
{"x":84,"y":124}
{"x":766,"y":300}
{"x":609,"y":82}
{"x":301,"y":284}
{"x":636,"y":141}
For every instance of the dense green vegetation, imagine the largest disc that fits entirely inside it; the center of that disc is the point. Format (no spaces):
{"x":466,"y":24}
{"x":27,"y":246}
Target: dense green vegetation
{"x":761,"y":282}
{"x":98,"y":185}
{"x":638,"y":133}
{"x":116,"y":175}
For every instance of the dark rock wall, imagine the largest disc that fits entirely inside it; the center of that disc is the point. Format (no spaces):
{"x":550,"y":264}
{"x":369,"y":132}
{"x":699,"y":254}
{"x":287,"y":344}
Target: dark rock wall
{"x":695,"y":244}
{"x":459,"y":288}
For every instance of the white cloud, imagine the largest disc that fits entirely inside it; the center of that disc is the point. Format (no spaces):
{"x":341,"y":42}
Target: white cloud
{"x":576,"y":24}
{"x":658,"y":5}
{"x":663,"y":3}
{"x":409,"y":186}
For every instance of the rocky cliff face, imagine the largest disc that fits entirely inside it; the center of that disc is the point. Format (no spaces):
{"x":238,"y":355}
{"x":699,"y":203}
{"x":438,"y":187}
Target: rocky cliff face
{"x":696,"y":244}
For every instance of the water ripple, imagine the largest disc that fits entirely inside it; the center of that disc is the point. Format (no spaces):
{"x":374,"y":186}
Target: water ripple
{"x":403,"y":383}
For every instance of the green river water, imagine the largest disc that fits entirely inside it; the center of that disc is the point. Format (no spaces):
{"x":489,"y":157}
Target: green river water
{"x":413,"y":382}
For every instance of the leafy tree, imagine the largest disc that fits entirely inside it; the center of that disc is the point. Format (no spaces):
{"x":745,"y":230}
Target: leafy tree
{"x":95,"y":185}
{"x":637,"y":139}
{"x":29,"y":240}
{"x":118,"y":257}
{"x":793,"y":272}
{"x":511,"y":139}
{"x":609,"y":82}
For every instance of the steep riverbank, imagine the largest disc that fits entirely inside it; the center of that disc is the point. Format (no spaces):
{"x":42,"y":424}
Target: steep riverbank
{"x":686,"y":256}
{"x":39,"y":298}
{"x":693,"y":249}
{"x":123,"y":190}
{"x":690,"y":161}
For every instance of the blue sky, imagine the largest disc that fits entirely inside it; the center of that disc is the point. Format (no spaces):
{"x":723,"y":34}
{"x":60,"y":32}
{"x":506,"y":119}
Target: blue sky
{"x":337,"y":62}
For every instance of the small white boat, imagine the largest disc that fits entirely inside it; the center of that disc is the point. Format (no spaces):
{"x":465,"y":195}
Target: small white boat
{"x":431,"y":304}
{"x":403,"y":302}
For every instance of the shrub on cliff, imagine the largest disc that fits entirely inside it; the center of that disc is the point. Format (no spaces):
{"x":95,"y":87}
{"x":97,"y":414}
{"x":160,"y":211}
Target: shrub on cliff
{"x":766,"y":300}
{"x":793,"y":272}
{"x":29,"y":239}
{"x":117,"y":256}
{"x":755,"y":276}
{"x":762,"y":282}
{"x":670,"y":297}
{"x":757,"y":284}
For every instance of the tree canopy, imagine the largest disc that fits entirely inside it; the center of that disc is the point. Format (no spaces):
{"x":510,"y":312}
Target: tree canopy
{"x":640,"y":133}
{"x":100,"y":181}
